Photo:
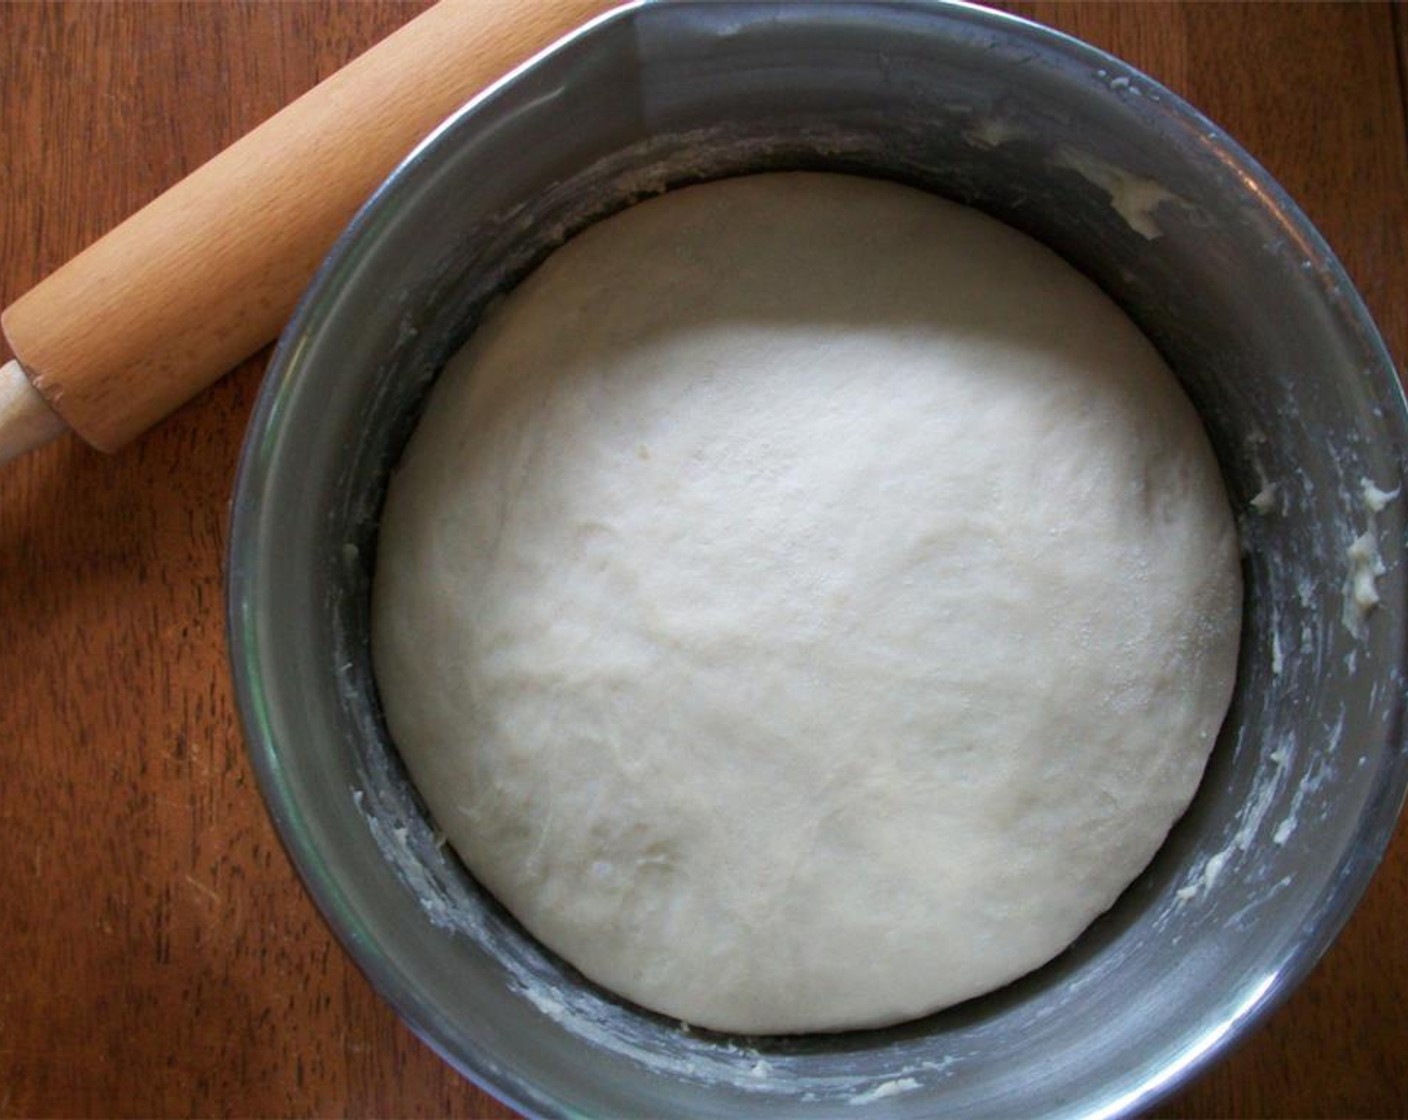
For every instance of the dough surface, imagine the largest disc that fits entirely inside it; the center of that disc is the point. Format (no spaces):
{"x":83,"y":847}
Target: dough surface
{"x":806,"y":603}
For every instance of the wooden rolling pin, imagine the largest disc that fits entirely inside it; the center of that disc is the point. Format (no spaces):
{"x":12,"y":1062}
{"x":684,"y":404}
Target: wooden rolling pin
{"x":202,"y":277}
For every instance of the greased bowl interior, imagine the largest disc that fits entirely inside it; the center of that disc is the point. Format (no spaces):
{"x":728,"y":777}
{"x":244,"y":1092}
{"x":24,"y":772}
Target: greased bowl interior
{"x":1135,"y":188}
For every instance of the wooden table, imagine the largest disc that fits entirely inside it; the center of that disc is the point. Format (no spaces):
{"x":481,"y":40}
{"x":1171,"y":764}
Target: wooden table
{"x":159,"y":955}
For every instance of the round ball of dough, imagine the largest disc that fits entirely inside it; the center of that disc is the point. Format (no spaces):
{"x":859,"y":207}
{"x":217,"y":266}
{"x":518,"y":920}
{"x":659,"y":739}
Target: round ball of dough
{"x":806,"y":603}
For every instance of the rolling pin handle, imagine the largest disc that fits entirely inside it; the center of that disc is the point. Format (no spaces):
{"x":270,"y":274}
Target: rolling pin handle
{"x":26,"y":420}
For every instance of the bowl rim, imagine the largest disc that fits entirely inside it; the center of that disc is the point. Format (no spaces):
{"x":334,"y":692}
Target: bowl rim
{"x":1374,"y":830}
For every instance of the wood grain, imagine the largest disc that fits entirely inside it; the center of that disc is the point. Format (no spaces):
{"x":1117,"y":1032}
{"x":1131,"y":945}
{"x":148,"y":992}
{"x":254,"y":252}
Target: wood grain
{"x":162,"y":959}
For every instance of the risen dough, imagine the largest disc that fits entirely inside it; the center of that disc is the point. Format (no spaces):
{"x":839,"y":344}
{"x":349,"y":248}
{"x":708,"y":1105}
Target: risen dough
{"x":806,"y":603}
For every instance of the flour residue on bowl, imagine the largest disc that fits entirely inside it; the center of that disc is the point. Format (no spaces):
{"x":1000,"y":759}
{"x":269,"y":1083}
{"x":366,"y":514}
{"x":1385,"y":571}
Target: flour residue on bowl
{"x":891,"y":1088}
{"x":1266,"y":499}
{"x":1133,"y":197}
{"x":1365,"y":564}
{"x":993,"y":132}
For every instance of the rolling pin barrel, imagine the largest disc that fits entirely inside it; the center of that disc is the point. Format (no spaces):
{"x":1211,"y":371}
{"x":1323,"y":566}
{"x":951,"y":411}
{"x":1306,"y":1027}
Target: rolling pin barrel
{"x":206,"y":274}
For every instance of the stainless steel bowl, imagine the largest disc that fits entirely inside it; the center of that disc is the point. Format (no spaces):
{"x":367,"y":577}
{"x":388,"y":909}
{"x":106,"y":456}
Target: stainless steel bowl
{"x":1127,"y":182}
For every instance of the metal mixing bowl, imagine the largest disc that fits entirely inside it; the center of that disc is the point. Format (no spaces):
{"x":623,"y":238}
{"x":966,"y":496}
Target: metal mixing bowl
{"x":1127,"y":182}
